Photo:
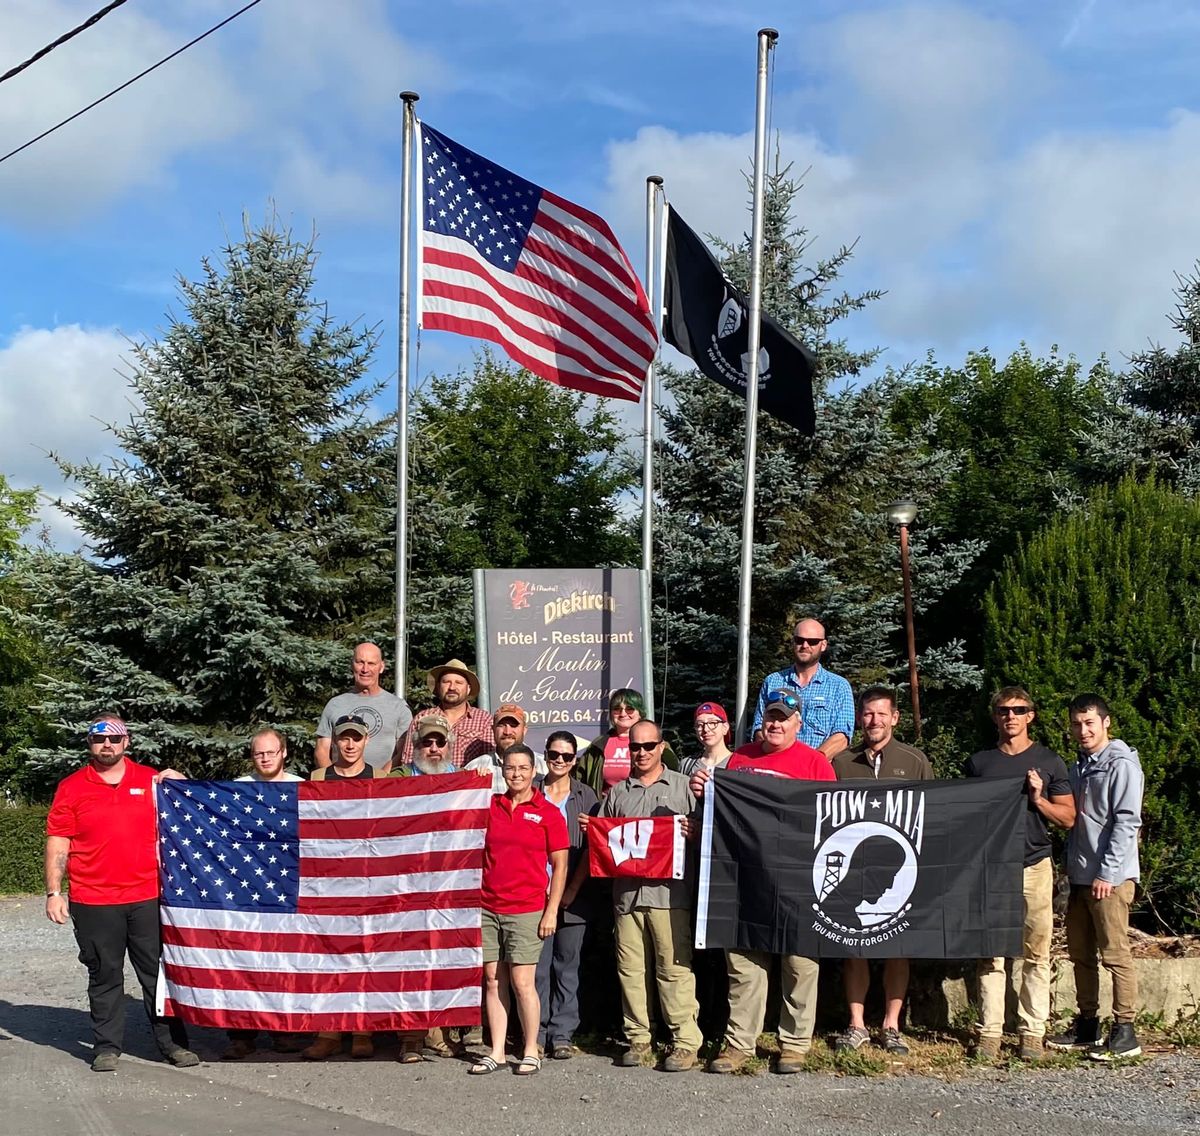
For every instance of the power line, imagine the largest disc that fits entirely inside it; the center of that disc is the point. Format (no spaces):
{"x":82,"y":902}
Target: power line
{"x":130,"y":82}
{"x":95,"y":19}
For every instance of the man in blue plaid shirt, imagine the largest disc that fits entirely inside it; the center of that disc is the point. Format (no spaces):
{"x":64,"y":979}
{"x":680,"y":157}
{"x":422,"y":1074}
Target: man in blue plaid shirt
{"x":826,"y":701}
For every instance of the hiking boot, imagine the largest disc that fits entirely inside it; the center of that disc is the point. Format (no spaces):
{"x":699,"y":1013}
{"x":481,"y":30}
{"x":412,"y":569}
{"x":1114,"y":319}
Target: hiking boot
{"x":633,"y":1056}
{"x":361,"y":1045}
{"x":1032,"y":1048}
{"x":289,"y":1042}
{"x":792,"y":1061}
{"x":894,"y":1042}
{"x":680,"y":1061}
{"x":322,"y":1048}
{"x":105,"y":1061}
{"x":854,"y":1037}
{"x":179,"y":1057}
{"x":1122,"y":1042}
{"x":729,"y":1060}
{"x":1083,"y":1033}
{"x":987,"y":1049}
{"x":238,"y":1050}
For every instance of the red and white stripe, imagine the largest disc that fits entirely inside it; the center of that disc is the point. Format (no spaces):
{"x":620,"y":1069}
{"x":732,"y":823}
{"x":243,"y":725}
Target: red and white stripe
{"x":386,"y":932}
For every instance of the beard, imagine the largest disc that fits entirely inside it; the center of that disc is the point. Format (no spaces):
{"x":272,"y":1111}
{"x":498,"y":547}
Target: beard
{"x":108,"y":760}
{"x":426,"y":764}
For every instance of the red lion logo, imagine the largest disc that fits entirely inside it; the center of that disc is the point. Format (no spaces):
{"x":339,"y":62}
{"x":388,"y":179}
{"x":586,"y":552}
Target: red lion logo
{"x":519,"y":592}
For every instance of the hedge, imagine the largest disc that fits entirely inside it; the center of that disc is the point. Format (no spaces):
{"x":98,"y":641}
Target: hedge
{"x":22,"y":840}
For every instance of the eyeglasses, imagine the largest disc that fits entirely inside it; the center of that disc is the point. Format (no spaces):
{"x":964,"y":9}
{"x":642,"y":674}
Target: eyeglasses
{"x":559,"y":755}
{"x":640,"y":747}
{"x":1019,"y":711}
{"x":708,"y":723}
{"x":807,"y":640}
{"x":433,"y":740}
{"x":783,"y":698}
{"x":622,"y":710}
{"x":267,"y":753}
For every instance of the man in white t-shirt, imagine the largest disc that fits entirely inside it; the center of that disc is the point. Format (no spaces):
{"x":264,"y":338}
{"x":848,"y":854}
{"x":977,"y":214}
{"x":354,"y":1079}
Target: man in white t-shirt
{"x":268,"y":751}
{"x":386,"y":715}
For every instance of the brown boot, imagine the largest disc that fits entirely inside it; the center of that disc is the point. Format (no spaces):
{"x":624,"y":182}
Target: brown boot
{"x":792,"y":1061}
{"x":729,"y":1060}
{"x":987,"y":1049}
{"x":361,"y":1045}
{"x":327,"y":1045}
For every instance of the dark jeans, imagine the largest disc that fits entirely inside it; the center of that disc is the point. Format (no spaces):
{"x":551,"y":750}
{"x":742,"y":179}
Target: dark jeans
{"x":105,"y":932}
{"x":557,"y":980}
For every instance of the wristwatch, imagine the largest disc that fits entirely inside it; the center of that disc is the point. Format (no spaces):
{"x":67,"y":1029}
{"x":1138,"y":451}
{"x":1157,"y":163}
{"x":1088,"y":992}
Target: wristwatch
{"x":52,"y":894}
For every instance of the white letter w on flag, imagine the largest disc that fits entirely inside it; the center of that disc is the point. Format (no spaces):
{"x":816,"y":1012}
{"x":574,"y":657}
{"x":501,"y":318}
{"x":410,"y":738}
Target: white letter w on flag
{"x":631,"y":841}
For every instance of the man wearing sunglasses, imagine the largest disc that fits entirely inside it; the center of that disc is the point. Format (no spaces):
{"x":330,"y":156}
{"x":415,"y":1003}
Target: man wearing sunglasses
{"x":1048,"y":787}
{"x":778,"y":754}
{"x":828,"y":703}
{"x":101,"y":832}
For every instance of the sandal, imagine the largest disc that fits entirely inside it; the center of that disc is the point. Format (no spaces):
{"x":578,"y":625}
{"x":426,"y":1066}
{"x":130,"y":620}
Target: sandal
{"x":410,"y":1053}
{"x":483,"y":1065}
{"x":527,"y":1066}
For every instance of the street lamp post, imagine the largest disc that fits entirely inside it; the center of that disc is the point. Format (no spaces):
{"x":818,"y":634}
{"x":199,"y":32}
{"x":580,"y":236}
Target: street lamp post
{"x":902,"y":514}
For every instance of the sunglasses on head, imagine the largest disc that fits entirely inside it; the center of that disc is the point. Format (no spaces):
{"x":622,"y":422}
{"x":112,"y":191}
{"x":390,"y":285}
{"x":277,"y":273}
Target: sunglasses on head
{"x":783,"y":698}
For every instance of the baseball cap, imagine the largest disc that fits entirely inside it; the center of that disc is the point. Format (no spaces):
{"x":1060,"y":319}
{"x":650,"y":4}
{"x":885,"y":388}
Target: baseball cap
{"x":510,"y":710}
{"x":434,"y":724}
{"x":783,"y":700}
{"x":348,"y":723}
{"x":713,"y":708}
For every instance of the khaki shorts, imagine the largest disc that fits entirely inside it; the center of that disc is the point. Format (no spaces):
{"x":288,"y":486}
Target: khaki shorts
{"x":511,"y":938}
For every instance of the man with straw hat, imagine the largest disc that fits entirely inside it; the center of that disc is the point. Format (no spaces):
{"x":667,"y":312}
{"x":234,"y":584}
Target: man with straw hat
{"x":454,"y":687}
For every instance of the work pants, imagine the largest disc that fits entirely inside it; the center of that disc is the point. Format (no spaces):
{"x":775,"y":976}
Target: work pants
{"x":668,"y":934}
{"x":1101,"y":927}
{"x":748,"y":971}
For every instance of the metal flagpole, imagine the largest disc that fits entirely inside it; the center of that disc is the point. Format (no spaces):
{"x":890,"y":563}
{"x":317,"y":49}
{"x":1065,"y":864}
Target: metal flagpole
{"x":766,"y":41}
{"x":653,"y":188}
{"x":410,"y":119}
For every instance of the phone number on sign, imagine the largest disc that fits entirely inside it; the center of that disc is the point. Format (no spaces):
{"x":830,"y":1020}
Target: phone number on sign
{"x":562,"y":717}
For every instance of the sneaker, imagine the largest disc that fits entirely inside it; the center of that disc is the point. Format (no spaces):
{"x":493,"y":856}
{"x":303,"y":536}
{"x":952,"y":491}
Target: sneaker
{"x":1122,"y":1042}
{"x":986,"y":1049}
{"x":729,"y":1060}
{"x":894,"y":1043}
{"x":1032,"y":1048}
{"x":680,"y":1061}
{"x":105,"y":1061}
{"x":1082,"y":1033}
{"x":792,"y":1061}
{"x":633,"y":1056}
{"x":179,"y":1057}
{"x":238,"y":1050}
{"x":853,"y":1038}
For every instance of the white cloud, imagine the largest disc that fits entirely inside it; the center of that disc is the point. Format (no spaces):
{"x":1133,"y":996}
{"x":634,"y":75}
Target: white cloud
{"x":59,"y":387}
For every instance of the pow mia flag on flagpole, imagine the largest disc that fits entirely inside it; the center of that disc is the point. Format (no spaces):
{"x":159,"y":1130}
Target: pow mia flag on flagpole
{"x":921,"y":869}
{"x":706,"y":318}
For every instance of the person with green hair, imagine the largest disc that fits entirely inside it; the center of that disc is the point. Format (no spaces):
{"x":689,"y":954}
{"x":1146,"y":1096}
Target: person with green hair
{"x":605,"y":762}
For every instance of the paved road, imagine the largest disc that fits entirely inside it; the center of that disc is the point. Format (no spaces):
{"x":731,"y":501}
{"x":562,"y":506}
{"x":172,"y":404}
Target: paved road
{"x":48,"y":1089}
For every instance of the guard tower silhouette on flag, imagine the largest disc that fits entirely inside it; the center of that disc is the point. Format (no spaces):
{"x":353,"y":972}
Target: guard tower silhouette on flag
{"x":833,"y":871}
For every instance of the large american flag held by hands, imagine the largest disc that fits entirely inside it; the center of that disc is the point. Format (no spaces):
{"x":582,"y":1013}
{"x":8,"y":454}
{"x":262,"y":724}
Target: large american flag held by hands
{"x":350,"y":905}
{"x":505,"y":260}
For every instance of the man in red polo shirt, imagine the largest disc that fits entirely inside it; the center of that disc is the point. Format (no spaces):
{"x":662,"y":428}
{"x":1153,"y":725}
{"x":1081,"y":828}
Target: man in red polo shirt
{"x":779,"y":754}
{"x":101,"y":833}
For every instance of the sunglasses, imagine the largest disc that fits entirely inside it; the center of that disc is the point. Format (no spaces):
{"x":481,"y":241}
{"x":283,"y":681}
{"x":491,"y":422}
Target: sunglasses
{"x":804,"y":639}
{"x":642,"y":747}
{"x":433,"y":740}
{"x":783,"y":698}
{"x":1019,"y":711}
{"x":105,"y":731}
{"x":559,"y":755}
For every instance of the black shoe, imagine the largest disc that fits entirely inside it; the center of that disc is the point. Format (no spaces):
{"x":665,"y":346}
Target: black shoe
{"x":1122,"y":1042}
{"x":1083,"y":1033}
{"x":179,"y":1057}
{"x":105,"y":1061}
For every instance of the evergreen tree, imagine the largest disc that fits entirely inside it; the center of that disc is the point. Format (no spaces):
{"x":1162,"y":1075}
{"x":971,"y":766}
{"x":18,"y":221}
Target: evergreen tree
{"x":1105,"y":599}
{"x":243,"y":541}
{"x":821,"y":541}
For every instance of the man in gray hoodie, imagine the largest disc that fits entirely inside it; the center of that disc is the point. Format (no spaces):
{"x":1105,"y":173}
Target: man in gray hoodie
{"x":1102,"y":865}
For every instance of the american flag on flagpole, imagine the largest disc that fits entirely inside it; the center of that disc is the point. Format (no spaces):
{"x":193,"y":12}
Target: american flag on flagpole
{"x":349,"y":905}
{"x":505,"y":260}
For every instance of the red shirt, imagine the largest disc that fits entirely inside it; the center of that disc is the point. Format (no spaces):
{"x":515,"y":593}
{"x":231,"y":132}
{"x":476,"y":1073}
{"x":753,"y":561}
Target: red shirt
{"x":516,"y":852}
{"x":798,"y":762}
{"x":616,"y":760}
{"x":113,"y":834}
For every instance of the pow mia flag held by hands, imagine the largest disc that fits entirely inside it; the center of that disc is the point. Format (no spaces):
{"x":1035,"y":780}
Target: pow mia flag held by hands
{"x":921,"y":869}
{"x":707,"y":319}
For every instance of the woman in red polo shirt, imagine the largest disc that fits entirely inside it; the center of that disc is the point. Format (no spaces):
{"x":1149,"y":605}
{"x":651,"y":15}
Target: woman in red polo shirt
{"x":526,"y":839}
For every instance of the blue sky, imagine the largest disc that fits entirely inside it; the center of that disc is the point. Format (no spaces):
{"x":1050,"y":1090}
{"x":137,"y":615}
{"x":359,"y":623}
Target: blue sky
{"x":1012,"y":171}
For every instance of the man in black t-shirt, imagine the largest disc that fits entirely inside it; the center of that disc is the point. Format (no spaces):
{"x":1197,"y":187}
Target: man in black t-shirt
{"x":1050,"y":800}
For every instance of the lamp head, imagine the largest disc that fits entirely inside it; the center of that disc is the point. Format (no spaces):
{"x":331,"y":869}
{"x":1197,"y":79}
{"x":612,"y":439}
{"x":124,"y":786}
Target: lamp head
{"x":902,"y":512}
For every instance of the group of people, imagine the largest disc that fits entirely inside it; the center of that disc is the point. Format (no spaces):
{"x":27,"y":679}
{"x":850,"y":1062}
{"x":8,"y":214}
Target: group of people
{"x":539,"y":901}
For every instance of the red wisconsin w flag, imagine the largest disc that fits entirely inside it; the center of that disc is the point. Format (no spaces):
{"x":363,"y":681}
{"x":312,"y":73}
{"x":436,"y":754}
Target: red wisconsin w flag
{"x":648,"y":847}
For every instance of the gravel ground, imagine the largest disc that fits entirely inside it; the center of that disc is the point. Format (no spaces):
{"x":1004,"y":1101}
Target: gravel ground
{"x":44,"y":1047}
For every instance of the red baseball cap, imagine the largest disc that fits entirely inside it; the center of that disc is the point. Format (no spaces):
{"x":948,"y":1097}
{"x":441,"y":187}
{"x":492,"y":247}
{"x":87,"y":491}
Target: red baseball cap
{"x":713,"y":708}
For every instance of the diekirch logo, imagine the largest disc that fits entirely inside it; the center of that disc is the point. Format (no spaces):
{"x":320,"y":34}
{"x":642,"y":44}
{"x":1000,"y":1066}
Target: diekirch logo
{"x":519,"y":592}
{"x":865,"y":869}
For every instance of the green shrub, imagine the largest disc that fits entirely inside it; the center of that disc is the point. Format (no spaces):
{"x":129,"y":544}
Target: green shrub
{"x":1107,"y":599}
{"x":22,"y":839}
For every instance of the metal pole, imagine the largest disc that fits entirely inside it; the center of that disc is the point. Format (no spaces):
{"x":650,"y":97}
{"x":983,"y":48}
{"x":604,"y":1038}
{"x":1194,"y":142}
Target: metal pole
{"x":912,"y":637}
{"x":766,"y":41}
{"x":653,"y":185}
{"x":410,"y":118}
